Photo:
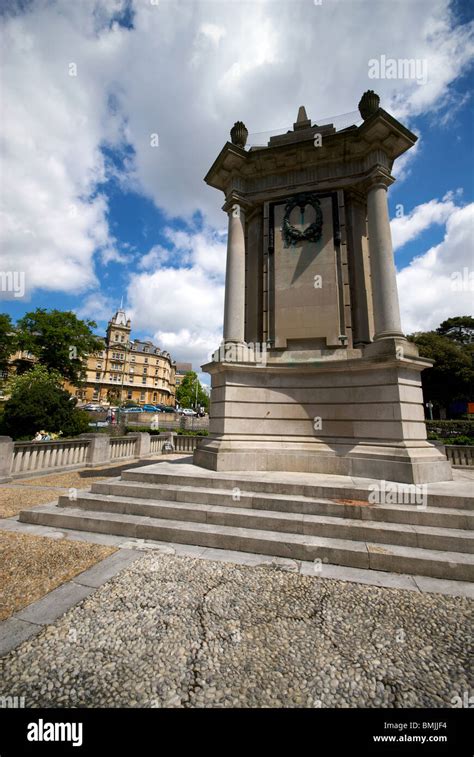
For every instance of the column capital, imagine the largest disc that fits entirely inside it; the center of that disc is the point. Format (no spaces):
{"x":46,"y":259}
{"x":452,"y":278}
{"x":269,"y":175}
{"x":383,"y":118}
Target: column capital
{"x":376,"y":178}
{"x":234,"y":199}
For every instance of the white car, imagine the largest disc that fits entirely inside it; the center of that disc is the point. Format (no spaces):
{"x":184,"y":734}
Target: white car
{"x":187,"y":411}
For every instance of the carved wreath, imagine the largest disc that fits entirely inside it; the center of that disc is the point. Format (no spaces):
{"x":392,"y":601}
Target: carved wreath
{"x":313,"y":232}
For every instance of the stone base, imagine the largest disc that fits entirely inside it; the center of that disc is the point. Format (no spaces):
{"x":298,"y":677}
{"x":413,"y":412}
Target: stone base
{"x":417,"y":465}
{"x":361,"y":417}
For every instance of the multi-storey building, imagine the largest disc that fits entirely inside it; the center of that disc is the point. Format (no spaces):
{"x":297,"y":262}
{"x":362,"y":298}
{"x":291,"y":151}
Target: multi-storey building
{"x":127,"y":370}
{"x":181,"y":370}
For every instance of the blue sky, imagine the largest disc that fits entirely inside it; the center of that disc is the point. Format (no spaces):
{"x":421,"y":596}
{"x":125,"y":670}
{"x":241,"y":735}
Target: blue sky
{"x":92,"y":212}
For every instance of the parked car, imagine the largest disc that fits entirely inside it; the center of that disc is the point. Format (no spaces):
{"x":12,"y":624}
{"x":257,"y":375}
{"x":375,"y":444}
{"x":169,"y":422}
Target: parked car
{"x":132,"y":410}
{"x":187,"y":411}
{"x":93,"y":408}
{"x":152,"y":409}
{"x":99,"y":424}
{"x":166,"y":408}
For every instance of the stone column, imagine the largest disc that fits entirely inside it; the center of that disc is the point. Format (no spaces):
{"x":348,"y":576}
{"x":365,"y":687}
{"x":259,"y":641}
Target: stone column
{"x":6,"y":458}
{"x":234,"y":307}
{"x":142,"y":448}
{"x":99,"y":449}
{"x":384,"y":281}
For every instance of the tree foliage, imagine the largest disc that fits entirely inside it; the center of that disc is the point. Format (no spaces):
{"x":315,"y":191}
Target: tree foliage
{"x":59,"y":340}
{"x":8,"y":340}
{"x":459,"y":329}
{"x":452,"y":376}
{"x":39,"y":402}
{"x":186,"y":392}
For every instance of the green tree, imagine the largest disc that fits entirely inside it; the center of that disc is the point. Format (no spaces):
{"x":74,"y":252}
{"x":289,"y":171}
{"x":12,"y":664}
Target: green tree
{"x":451,"y":377}
{"x":460,"y":329}
{"x":186,"y":392}
{"x":8,"y":340}
{"x":59,"y":340}
{"x":37,"y":401}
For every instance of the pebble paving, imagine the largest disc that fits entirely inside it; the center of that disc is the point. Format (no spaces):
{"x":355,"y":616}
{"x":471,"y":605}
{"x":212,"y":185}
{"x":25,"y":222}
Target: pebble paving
{"x":174,"y":631}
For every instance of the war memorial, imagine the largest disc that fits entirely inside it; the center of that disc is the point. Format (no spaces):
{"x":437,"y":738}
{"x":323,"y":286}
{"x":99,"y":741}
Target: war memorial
{"x":317,"y":447}
{"x":311,"y":277}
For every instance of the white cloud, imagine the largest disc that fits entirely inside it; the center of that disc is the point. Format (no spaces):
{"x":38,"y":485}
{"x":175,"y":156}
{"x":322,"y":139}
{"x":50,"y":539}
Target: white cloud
{"x":439,"y":284}
{"x":182,"y":306}
{"x":52,"y":219}
{"x":186,"y":71}
{"x":97,"y":307}
{"x":408,"y":227}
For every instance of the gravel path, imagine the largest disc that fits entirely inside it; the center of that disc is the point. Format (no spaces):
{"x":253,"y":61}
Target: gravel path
{"x":180,"y":632}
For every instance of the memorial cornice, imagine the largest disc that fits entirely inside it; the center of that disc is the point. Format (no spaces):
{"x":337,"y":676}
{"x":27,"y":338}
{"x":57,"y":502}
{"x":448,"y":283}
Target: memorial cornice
{"x":343,"y":157}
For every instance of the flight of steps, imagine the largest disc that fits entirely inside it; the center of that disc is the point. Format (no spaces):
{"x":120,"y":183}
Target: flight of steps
{"x":299,"y":521}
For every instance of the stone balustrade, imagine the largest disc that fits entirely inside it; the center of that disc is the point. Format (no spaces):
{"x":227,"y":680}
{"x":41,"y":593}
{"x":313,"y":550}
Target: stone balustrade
{"x":37,"y":456}
{"x":459,"y":456}
{"x":22,"y":459}
{"x":122,"y":447}
{"x":186,"y":443}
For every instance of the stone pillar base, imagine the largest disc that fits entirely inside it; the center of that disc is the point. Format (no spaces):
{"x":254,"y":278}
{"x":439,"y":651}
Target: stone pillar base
{"x":415,"y":465}
{"x":362,"y":417}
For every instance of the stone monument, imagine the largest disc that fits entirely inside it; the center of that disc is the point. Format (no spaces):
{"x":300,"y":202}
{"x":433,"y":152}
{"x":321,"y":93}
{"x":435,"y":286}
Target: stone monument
{"x":314,"y":373}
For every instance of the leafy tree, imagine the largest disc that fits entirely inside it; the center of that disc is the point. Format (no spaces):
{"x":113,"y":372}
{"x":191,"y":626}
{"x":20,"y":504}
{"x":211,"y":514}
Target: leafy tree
{"x":39,"y":402}
{"x":59,"y":340}
{"x":8,"y":340}
{"x":452,"y":375}
{"x":460,"y":329}
{"x":186,"y":392}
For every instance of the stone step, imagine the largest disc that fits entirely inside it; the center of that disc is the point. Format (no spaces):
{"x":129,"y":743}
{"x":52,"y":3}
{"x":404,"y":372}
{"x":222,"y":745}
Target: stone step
{"x":359,"y":554}
{"x":232,"y":480}
{"x":409,"y":514}
{"x":455,"y":540}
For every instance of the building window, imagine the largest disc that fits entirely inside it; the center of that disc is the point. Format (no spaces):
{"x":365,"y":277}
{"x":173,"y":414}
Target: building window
{"x":143,"y":379}
{"x":145,"y":359}
{"x":155,"y":396}
{"x":132,"y":359}
{"x":129,"y":394}
{"x":97,"y":376}
{"x":142,"y":395}
{"x":95,"y":396}
{"x":99,"y":365}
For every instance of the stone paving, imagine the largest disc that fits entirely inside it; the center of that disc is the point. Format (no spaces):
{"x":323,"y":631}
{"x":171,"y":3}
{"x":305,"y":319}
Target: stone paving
{"x":173,"y":631}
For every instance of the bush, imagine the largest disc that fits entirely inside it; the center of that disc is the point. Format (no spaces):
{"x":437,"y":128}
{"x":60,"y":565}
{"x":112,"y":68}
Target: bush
{"x":38,"y":402}
{"x":138,"y":429}
{"x":450,"y":429}
{"x":463,"y":441}
{"x":198,"y":432}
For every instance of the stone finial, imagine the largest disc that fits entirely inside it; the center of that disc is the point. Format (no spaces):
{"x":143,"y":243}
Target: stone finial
{"x":239,"y":134}
{"x":302,"y":120}
{"x":369,"y":104}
